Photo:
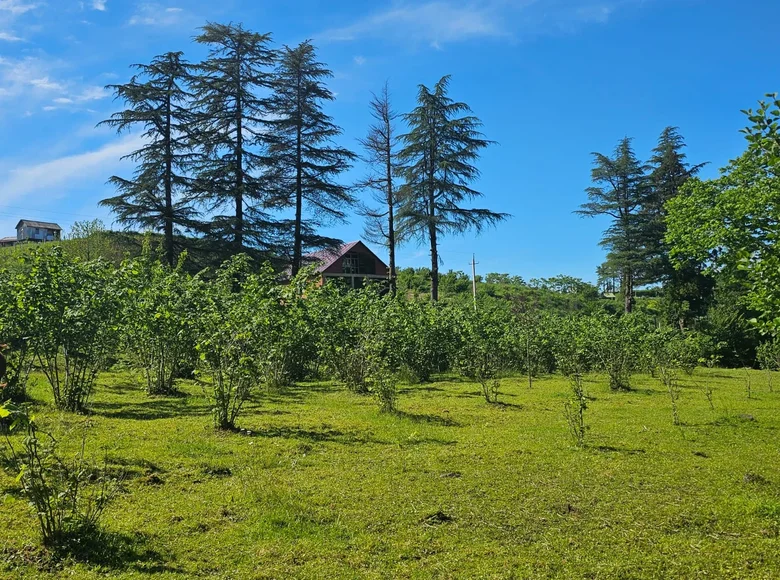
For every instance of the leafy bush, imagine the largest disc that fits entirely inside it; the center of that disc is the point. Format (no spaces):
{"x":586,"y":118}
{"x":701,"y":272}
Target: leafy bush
{"x":73,"y":308}
{"x":768,"y":355}
{"x":616,"y":346}
{"x":227,"y":342}
{"x":158,"y":322}
{"x":68,"y":497}
{"x":16,"y":324}
{"x":484,"y":353}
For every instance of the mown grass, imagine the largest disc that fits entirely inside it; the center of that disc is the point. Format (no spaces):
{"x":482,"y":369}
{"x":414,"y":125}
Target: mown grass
{"x":325,"y":486}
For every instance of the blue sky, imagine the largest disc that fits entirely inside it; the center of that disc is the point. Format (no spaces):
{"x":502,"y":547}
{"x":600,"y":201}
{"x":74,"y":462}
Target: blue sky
{"x":552,"y":80}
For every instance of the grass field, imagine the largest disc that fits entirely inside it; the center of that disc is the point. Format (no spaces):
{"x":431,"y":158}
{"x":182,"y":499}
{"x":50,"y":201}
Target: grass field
{"x":325,"y":486}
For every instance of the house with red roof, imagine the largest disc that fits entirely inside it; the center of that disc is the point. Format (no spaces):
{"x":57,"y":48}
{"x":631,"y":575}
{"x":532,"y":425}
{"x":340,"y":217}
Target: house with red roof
{"x":353,"y":262}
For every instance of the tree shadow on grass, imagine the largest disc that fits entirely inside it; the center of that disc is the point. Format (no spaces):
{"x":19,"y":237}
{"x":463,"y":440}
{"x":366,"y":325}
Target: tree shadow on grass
{"x":427,"y":418}
{"x":410,"y":389}
{"x":614,"y":449}
{"x":150,"y":410}
{"x":323,"y":434}
{"x":111,"y":550}
{"x":295,"y":393}
{"x":505,"y":405}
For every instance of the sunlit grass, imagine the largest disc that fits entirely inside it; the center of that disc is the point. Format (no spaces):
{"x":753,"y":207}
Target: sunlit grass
{"x":450,"y":487}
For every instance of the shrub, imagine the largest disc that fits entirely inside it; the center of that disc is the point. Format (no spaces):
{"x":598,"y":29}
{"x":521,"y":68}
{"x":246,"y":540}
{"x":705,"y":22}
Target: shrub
{"x":158,"y":320}
{"x":227,"y":342}
{"x":484,"y":353}
{"x":615,"y":343}
{"x":16,"y":325}
{"x":74,"y":309}
{"x":768,"y":356}
{"x":573,"y":359}
{"x":68,"y":497}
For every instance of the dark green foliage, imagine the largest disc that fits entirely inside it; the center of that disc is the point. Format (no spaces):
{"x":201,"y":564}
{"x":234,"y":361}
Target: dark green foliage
{"x":159,"y":320}
{"x":304,"y":160}
{"x":158,"y":101}
{"x":668,"y":172}
{"x":616,"y":346}
{"x":484,"y":350}
{"x":231,"y":106}
{"x":74,"y":310}
{"x":620,"y":189}
{"x":438,"y":156}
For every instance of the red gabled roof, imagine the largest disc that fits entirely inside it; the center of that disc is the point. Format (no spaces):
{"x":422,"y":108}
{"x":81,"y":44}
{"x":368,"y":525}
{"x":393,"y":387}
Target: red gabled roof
{"x":327,"y":257}
{"x":324,"y":259}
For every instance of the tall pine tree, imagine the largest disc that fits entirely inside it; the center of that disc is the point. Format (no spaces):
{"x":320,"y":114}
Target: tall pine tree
{"x":438,"y":155}
{"x":157,"y":101}
{"x":687,"y":289}
{"x":232,"y":89}
{"x":381,"y":155}
{"x":669,"y":170}
{"x":620,"y":191}
{"x":305,"y":159}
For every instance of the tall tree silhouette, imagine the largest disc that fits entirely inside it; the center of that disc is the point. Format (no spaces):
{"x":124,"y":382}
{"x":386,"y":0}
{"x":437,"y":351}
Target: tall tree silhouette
{"x":305,"y":159}
{"x":438,"y":156}
{"x":232,"y":91}
{"x":380,"y":153}
{"x":620,"y":190}
{"x":156,"y":197}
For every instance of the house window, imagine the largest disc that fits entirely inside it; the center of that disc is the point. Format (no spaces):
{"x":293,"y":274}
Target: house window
{"x":351,"y":264}
{"x":357,"y":263}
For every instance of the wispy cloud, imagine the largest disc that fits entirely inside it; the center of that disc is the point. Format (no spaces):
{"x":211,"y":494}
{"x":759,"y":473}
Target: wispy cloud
{"x":65,"y":173}
{"x":360,"y":60}
{"x":441,"y":22}
{"x":156,"y":15}
{"x":436,"y":21}
{"x":17,"y":7}
{"x":99,"y":5}
{"x":9,"y":37}
{"x":30,"y":82}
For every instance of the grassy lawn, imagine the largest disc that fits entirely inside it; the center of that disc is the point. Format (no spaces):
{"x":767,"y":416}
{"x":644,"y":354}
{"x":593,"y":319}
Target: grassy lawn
{"x":325,"y":486}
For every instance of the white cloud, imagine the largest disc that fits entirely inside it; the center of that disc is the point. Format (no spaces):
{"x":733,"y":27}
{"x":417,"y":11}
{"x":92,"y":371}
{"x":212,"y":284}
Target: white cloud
{"x":156,"y":15}
{"x":92,"y":93}
{"x":436,"y":21}
{"x":45,"y":84}
{"x":99,"y":5}
{"x":16,"y":7}
{"x":360,"y":60}
{"x":440,"y":22}
{"x":31,"y":81}
{"x":59,"y":175}
{"x":9,"y":37}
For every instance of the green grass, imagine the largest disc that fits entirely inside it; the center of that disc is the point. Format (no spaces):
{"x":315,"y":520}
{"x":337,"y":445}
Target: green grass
{"x":450,"y":487}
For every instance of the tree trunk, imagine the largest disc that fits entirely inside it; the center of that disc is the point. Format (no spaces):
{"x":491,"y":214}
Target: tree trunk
{"x":168,"y":219}
{"x":390,"y":209}
{"x":434,"y":253}
{"x":628,"y":291}
{"x":239,"y":194}
{"x":297,"y":242}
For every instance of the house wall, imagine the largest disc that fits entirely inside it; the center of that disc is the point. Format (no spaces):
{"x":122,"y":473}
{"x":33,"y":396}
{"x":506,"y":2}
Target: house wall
{"x":379,"y":268}
{"x":37,"y":234}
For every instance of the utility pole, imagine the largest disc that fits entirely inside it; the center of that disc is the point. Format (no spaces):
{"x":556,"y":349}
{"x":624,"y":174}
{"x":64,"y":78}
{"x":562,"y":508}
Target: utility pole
{"x":474,"y":279}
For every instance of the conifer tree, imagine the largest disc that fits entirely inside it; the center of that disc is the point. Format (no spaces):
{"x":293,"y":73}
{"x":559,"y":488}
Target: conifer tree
{"x":620,"y":190}
{"x":232,"y":89}
{"x":669,"y":170}
{"x":157,"y":101}
{"x":304,"y":158}
{"x":381,"y":155}
{"x":438,"y":156}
